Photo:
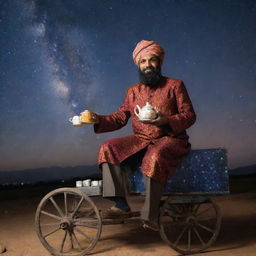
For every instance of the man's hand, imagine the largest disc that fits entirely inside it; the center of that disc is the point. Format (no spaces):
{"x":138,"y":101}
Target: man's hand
{"x":89,"y":117}
{"x":161,"y":120}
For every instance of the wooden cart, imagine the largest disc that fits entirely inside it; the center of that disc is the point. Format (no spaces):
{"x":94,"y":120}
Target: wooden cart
{"x":68,"y":223}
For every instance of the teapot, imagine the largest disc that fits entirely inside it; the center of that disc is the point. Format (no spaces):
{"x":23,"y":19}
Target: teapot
{"x":145,"y":113}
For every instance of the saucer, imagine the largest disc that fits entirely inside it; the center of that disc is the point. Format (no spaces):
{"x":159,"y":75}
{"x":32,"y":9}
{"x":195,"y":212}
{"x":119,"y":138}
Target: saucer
{"x":146,"y":119}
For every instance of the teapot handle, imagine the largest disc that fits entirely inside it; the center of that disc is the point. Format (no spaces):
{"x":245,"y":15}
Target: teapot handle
{"x":137,"y":113}
{"x":71,"y":119}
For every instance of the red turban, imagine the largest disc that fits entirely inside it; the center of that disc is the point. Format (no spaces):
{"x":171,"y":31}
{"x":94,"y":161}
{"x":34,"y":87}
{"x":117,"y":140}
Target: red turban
{"x":144,"y":47}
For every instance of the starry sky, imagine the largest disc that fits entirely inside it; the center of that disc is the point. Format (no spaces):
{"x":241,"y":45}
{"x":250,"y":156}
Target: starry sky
{"x":58,"y":58}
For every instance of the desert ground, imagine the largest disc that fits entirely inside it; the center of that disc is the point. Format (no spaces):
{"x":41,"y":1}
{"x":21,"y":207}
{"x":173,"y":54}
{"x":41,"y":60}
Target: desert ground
{"x":237,"y":236}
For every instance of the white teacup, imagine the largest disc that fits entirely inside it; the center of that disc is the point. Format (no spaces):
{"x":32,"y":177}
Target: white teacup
{"x":95,"y":183}
{"x":79,"y":183}
{"x":75,"y":120}
{"x":87,"y":183}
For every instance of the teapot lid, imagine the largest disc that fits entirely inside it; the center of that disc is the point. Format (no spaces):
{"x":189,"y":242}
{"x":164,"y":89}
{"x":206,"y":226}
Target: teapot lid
{"x":148,"y":105}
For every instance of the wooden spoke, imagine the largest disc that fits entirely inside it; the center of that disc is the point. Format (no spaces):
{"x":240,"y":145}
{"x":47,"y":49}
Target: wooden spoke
{"x":189,"y":238}
{"x":77,"y":207}
{"x":71,"y":239}
{"x":78,"y":244}
{"x":191,"y":207}
{"x":205,"y":210}
{"x":199,"y":237}
{"x":51,"y":215}
{"x":57,"y":207}
{"x":51,"y":232}
{"x":87,"y":224}
{"x":63,"y":241}
{"x":50,"y":224}
{"x":184,"y":209}
{"x":90,"y":212}
{"x":83,"y":234}
{"x":204,"y":227}
{"x":65,"y":203}
{"x":179,"y":237}
{"x":194,"y":211}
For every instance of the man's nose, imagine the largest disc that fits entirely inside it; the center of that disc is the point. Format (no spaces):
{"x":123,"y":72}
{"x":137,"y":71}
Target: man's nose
{"x":148,"y":63}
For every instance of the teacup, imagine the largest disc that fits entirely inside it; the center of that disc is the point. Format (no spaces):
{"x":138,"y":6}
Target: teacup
{"x":95,"y":183}
{"x":87,"y":117}
{"x":87,"y":183}
{"x":79,"y":183}
{"x":75,"y":120}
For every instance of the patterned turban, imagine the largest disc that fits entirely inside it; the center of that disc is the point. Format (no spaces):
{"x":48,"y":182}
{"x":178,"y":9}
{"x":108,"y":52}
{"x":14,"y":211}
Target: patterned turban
{"x":144,"y":47}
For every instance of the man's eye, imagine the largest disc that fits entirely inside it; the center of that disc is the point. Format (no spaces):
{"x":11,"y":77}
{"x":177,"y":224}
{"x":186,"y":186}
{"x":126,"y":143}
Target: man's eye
{"x":142,"y":61}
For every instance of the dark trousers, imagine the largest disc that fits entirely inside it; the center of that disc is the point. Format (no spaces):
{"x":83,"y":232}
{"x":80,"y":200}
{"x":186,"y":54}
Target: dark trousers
{"x":114,"y":184}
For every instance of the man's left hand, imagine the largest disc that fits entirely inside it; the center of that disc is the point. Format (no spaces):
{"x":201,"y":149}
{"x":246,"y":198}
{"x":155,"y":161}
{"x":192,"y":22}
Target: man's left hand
{"x":161,"y":120}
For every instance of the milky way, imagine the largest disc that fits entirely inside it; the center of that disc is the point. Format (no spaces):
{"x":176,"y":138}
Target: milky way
{"x":66,"y":48}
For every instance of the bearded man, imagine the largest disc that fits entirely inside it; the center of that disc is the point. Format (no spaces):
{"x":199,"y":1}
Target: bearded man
{"x":162,"y":141}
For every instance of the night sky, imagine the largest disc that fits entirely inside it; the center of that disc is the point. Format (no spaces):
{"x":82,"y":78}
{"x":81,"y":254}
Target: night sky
{"x":59,"y":57}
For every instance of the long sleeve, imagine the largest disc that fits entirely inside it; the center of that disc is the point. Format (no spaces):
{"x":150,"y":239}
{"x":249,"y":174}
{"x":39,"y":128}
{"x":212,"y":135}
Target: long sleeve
{"x":116,"y":120}
{"x":186,"y":115}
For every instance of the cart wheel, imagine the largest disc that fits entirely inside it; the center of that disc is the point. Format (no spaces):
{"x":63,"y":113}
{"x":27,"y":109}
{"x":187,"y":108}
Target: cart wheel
{"x":68,"y":223}
{"x":190,"y":227}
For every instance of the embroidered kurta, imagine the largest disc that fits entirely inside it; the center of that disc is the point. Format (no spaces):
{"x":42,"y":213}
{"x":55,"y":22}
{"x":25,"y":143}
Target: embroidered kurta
{"x":166,"y":145}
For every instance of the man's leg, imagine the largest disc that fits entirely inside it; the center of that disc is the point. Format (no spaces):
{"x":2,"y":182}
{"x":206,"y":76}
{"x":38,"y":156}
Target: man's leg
{"x":113,"y":180}
{"x":150,"y":209}
{"x":114,"y":185}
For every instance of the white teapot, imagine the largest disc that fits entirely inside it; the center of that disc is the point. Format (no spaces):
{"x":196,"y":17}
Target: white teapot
{"x":145,"y":113}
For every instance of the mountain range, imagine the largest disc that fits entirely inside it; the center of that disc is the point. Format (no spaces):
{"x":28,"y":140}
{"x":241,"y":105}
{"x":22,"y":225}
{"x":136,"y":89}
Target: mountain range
{"x":63,"y":174}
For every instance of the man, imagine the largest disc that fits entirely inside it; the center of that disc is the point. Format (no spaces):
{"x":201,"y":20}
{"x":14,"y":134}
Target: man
{"x":163,"y":141}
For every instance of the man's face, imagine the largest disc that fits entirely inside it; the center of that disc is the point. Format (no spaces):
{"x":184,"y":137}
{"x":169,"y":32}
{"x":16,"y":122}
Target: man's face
{"x":149,"y":63}
{"x":149,"y":70}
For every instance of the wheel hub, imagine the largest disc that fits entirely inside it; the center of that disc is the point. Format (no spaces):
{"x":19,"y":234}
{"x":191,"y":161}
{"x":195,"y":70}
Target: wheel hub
{"x":191,"y":220}
{"x":66,"y":224}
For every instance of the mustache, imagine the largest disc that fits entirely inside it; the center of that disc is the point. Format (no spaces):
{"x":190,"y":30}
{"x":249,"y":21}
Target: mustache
{"x":149,"y":68}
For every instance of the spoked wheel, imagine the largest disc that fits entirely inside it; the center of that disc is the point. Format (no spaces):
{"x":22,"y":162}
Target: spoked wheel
{"x":68,"y":223}
{"x":190,"y":227}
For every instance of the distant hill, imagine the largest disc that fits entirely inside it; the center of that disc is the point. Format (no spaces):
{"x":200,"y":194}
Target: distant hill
{"x":244,"y":170}
{"x":48,"y":174}
{"x":65,"y":174}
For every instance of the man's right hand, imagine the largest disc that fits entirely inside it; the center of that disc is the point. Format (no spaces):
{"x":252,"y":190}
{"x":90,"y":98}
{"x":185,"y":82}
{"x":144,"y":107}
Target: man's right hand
{"x":89,"y":117}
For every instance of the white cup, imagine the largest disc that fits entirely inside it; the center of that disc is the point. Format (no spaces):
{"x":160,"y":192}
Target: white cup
{"x":87,"y":183}
{"x":79,"y":183}
{"x":100,"y":183}
{"x":75,"y":120}
{"x":95,"y":183}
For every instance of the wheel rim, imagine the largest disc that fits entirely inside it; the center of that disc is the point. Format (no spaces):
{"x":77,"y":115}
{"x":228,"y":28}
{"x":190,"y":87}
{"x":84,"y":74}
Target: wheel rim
{"x":191,"y":227}
{"x":68,"y":223}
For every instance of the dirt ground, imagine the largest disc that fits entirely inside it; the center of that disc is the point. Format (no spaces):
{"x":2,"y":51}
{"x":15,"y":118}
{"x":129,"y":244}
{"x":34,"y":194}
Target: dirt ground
{"x":237,"y":237}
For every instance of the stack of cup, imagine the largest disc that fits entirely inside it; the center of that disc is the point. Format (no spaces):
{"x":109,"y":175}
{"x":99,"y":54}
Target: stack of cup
{"x":88,"y":183}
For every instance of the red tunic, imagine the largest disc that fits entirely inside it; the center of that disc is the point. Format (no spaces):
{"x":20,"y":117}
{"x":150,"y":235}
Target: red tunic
{"x":166,"y":145}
